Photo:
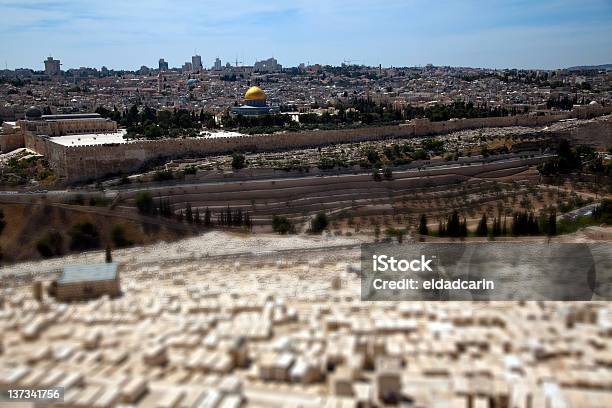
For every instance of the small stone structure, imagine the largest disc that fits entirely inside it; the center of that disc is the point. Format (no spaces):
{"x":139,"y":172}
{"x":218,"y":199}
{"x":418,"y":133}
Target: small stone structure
{"x":82,"y":282}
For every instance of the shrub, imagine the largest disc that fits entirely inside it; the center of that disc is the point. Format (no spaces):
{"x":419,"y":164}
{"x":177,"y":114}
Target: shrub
{"x":51,"y":245}
{"x":118,"y":237}
{"x":84,"y":236}
{"x":190,"y":170}
{"x":420,"y":154}
{"x":319,"y":223}
{"x":77,"y":199}
{"x":124,"y":180}
{"x":144,"y":203}
{"x":376,"y":174}
{"x":603,"y":213}
{"x":282,"y":225}
{"x":99,"y":201}
{"x":163,"y":175}
{"x":238,"y":161}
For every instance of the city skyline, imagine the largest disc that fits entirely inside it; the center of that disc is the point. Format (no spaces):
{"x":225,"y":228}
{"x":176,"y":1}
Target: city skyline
{"x":510,"y":34}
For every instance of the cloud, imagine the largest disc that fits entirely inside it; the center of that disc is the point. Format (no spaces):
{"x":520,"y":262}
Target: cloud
{"x":131,"y":33}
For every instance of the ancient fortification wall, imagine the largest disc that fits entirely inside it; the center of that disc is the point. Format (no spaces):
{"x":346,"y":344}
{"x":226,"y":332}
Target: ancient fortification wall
{"x":77,"y":163}
{"x":10,"y":141}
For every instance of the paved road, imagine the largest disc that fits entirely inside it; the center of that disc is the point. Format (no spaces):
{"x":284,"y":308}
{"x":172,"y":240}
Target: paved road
{"x":578,"y":212}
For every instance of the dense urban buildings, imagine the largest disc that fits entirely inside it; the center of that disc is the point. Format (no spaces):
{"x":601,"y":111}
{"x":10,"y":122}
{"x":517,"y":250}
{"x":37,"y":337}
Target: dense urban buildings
{"x":302,"y":89}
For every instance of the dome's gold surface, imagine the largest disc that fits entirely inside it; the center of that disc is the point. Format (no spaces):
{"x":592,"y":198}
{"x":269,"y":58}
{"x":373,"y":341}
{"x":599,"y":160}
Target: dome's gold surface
{"x":255,"y":93}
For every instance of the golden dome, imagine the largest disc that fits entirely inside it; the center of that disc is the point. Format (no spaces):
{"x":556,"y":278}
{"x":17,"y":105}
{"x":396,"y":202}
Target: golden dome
{"x":255,"y":93}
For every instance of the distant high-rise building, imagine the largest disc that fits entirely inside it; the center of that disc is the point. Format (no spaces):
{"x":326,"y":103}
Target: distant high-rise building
{"x":163,"y":65}
{"x":196,"y":62}
{"x":217,"y":66}
{"x":187,"y":67}
{"x":52,"y":66}
{"x":269,"y":65}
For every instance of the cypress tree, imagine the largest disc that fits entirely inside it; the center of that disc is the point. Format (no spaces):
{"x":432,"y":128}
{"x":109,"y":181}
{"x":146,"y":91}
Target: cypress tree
{"x":207,"y":220}
{"x":552,"y":223}
{"x":228,"y":216}
{"x":423,"y":230}
{"x":482,"y":229}
{"x":463,"y":228}
{"x":188,"y":213}
{"x":441,"y":230}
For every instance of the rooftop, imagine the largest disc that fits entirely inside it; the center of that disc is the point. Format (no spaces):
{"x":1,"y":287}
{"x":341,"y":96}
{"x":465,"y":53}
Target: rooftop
{"x":88,"y":273}
{"x":72,"y":116}
{"x":90,"y":139}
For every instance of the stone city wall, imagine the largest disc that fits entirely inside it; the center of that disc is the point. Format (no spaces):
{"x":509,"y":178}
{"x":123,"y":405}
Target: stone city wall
{"x":79,"y":163}
{"x":597,"y":134}
{"x":53,"y":152}
{"x":10,"y":141}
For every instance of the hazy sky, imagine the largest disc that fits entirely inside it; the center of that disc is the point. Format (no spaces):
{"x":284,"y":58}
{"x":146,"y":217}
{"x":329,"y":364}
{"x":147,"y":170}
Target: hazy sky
{"x":131,"y":33}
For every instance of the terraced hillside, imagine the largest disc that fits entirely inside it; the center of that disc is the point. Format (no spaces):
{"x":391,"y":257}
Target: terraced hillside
{"x":299,"y":197}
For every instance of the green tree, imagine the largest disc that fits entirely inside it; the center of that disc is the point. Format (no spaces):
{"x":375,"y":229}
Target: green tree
{"x":603,"y":212}
{"x":376,"y":174}
{"x":441,"y":229}
{"x":118,"y":237}
{"x":189,"y":213}
{"x":144,"y":203}
{"x":84,"y":236}
{"x":247,"y":221}
{"x":238,"y":161}
{"x":319,"y":223}
{"x":423,"y":230}
{"x":207,"y":220}
{"x":52,"y":244}
{"x":482,"y":230}
{"x":552,"y":223}
{"x":281,"y":225}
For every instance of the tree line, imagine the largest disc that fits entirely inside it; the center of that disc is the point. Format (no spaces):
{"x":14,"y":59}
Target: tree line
{"x":226,"y":217}
{"x":150,"y":123}
{"x":521,"y":223}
